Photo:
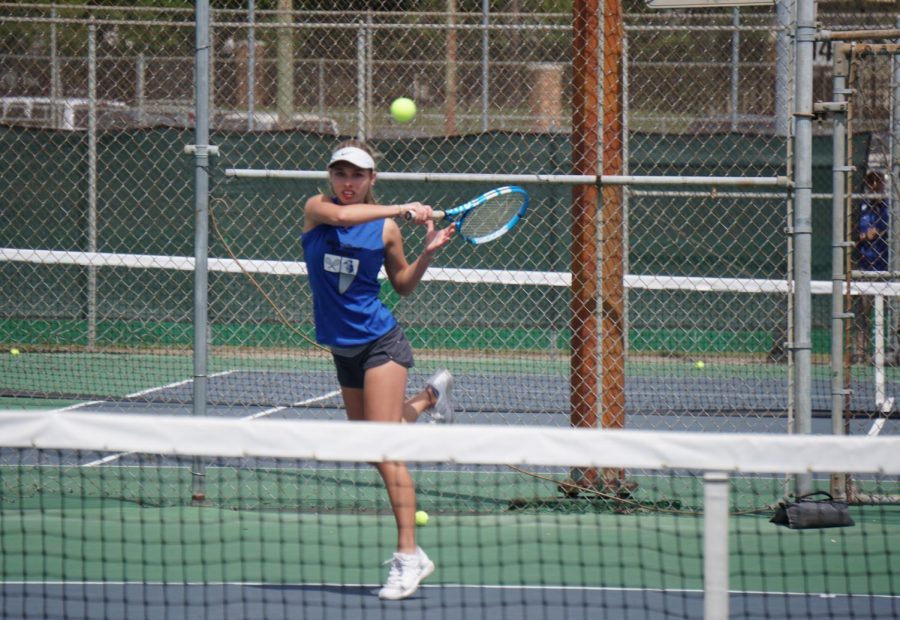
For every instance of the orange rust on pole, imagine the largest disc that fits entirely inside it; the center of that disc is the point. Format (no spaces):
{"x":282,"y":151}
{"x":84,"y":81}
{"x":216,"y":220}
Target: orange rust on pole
{"x":612,"y":250}
{"x":868,"y":49}
{"x":585,"y":160}
{"x":856,"y":35}
{"x":612,"y":244}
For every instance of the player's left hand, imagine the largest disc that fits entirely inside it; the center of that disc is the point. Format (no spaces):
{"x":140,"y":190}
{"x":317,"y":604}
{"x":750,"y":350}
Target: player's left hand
{"x":436,"y":238}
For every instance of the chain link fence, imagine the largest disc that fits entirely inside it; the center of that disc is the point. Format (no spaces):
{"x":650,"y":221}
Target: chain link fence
{"x":867,"y":207}
{"x":668,"y":308}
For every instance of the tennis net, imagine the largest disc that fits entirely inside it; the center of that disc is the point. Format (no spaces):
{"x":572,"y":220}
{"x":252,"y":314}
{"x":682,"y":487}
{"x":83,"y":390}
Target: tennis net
{"x":115,"y":515}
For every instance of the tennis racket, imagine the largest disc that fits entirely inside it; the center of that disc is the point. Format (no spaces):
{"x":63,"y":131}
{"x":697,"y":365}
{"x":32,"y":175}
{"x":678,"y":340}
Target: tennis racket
{"x":488,"y":216}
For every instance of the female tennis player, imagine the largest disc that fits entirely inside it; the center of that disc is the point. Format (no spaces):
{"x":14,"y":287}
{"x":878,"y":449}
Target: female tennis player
{"x":347,"y":238}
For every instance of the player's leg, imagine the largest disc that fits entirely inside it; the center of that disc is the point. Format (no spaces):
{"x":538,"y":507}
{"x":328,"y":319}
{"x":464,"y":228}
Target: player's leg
{"x":353,"y":403}
{"x":417,"y":405}
{"x":436,"y":397}
{"x":383,"y":397}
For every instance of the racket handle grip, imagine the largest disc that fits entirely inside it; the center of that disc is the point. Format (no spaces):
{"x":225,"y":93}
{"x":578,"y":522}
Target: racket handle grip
{"x":435,"y":215}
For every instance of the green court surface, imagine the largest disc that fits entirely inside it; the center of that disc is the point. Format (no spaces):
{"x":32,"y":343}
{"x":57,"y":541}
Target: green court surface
{"x":120,"y":543}
{"x":119,"y":373}
{"x":173,"y":336}
{"x":133,"y":520}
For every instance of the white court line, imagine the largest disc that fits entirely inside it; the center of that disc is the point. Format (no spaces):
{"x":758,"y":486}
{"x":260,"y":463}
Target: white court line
{"x":449,"y":586}
{"x":114,"y":457}
{"x":268,"y":412}
{"x":106,"y":459}
{"x":141,"y":393}
{"x":877,"y":425}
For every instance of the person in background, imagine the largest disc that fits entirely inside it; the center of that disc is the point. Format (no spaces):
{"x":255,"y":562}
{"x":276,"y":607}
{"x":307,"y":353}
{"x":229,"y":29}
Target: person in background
{"x":347,"y":238}
{"x":872,"y":255}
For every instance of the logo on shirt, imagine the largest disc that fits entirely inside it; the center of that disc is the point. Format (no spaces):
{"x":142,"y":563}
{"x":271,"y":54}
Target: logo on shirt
{"x":345,"y":267}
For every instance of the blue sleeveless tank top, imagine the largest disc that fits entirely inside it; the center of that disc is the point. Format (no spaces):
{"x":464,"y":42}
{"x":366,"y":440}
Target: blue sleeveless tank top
{"x":343,"y":265}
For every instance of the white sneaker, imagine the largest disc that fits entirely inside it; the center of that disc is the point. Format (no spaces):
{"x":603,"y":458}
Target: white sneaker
{"x":441,"y":383}
{"x":407,"y":572}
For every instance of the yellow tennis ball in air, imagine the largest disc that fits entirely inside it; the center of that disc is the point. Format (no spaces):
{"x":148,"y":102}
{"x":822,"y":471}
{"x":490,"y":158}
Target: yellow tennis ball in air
{"x":421,"y":517}
{"x":700,"y":364}
{"x":14,"y":352}
{"x":403,"y":109}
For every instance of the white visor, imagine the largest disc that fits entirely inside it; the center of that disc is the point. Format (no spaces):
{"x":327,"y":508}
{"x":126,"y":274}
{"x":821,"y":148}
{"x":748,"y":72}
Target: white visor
{"x":353,"y":155}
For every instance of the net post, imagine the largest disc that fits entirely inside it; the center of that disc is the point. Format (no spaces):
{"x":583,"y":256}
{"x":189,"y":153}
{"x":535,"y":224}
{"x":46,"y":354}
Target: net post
{"x":715,"y":545}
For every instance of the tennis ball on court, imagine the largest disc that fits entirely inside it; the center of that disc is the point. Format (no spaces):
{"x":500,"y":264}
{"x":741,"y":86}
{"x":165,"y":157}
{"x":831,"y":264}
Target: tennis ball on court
{"x":700,"y":364}
{"x":403,"y":109}
{"x":14,"y":352}
{"x":421,"y":517}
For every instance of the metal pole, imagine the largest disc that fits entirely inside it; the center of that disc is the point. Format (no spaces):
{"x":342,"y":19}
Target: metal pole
{"x":783,"y":127}
{"x":55,"y":90}
{"x":450,"y":71}
{"x":626,"y":194}
{"x":284,"y":87}
{"x":320,"y":90}
{"x":584,"y":365}
{"x":140,"y":94}
{"x":735,"y":61}
{"x":802,"y":226}
{"x":369,"y":69}
{"x":893,"y":189}
{"x":251,"y":64}
{"x":201,"y":229}
{"x":878,"y":308}
{"x":92,"y":184}
{"x":610,"y":303}
{"x":544,"y":179}
{"x":784,"y":17}
{"x":485,"y":59}
{"x":211,"y":64}
{"x":858,"y":35}
{"x":839,"y":248}
{"x":361,"y":82}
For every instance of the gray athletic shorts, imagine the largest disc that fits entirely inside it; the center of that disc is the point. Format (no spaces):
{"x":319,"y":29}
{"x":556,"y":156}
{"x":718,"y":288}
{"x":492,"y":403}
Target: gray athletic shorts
{"x":352,"y":363}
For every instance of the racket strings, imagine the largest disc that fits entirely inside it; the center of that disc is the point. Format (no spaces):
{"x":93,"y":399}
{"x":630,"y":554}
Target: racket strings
{"x":491,"y":216}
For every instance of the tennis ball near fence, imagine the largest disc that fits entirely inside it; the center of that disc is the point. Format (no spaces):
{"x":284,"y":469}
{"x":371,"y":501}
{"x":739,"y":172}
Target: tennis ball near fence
{"x":403,"y":109}
{"x":14,"y":352}
{"x":700,"y":364}
{"x":421,"y":517}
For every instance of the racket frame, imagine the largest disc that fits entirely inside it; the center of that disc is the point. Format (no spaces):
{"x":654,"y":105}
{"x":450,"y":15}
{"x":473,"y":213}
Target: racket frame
{"x":457,"y":215}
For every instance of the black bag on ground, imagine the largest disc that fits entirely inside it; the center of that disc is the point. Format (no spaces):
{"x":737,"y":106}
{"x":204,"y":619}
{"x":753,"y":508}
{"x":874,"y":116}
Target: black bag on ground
{"x":807,"y":513}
